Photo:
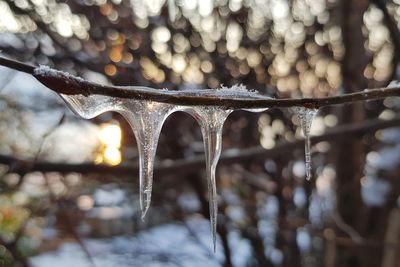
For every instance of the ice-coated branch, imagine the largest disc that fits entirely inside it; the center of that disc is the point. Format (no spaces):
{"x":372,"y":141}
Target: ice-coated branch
{"x":17,"y":165}
{"x":67,"y":84}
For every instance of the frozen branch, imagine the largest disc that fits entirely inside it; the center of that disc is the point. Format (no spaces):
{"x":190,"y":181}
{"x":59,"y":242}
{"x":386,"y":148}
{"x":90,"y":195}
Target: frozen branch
{"x":67,"y":84}
{"x":17,"y":165}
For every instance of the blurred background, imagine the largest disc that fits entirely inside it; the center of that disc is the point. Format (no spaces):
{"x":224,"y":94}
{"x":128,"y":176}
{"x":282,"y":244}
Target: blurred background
{"x":69,"y":187}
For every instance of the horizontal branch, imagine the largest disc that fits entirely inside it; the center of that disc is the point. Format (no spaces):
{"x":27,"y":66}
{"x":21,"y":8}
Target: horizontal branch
{"x":16,"y":65}
{"x":187,"y":165}
{"x":65,"y":83}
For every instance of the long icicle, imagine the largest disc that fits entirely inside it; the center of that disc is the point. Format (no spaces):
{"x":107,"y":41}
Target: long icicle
{"x":212,"y":149}
{"x":211,"y":120}
{"x":306,"y":116}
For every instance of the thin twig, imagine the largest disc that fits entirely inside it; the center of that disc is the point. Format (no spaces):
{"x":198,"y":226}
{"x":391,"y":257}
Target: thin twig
{"x":47,"y":134}
{"x":16,"y":65}
{"x":348,"y":229}
{"x":70,"y":85}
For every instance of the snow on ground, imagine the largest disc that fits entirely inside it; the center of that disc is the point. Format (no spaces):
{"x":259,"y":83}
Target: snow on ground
{"x":166,"y":245}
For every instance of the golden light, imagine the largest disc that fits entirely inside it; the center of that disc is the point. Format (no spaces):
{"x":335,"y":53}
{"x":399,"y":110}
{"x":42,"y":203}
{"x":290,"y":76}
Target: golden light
{"x":112,"y":156}
{"x":110,"y":135}
{"x":110,"y":70}
{"x":178,"y":63}
{"x":106,"y":9}
{"x":115,"y":54}
{"x":110,"y":138}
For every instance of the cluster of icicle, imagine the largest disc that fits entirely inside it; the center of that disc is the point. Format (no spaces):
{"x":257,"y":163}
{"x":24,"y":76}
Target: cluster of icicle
{"x":146,"y":118}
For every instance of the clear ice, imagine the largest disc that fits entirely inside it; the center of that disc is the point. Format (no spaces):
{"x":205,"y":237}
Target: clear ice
{"x":211,"y":120}
{"x":147,"y":117}
{"x":306,"y":116}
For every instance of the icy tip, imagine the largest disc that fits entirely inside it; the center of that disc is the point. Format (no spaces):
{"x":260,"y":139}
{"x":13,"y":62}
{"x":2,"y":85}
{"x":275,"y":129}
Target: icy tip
{"x":144,"y":213}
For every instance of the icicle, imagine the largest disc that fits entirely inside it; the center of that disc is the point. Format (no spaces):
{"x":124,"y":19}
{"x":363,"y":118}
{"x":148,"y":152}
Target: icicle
{"x":306,"y":116}
{"x":211,"y":121}
{"x":91,"y":106}
{"x":146,"y":119}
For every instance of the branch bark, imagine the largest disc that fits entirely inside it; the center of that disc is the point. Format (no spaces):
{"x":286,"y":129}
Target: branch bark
{"x":64,"y":83}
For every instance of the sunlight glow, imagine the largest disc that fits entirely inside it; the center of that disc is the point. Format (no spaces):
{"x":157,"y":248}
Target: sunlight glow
{"x":110,"y":138}
{"x":112,"y":156}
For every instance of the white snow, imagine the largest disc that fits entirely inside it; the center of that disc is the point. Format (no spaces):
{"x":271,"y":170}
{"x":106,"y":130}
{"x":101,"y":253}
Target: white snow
{"x":44,"y":70}
{"x":393,"y":84}
{"x":166,"y":245}
{"x":238,"y":91}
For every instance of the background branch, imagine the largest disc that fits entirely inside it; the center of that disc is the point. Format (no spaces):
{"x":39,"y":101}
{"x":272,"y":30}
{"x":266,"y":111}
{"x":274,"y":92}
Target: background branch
{"x":18,"y":165}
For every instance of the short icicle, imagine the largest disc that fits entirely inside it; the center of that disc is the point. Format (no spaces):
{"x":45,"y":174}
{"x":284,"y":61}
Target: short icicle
{"x":91,"y":106}
{"x":306,"y":116}
{"x":146,"y":119}
{"x":211,"y":121}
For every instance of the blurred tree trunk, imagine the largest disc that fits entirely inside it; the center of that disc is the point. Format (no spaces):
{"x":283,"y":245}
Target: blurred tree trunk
{"x":285,"y":240}
{"x":391,"y":257}
{"x":349,"y":154}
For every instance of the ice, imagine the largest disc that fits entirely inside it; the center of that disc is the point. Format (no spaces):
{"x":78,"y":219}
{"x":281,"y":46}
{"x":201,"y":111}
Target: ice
{"x":146,"y":119}
{"x":306,"y":116}
{"x":211,"y":120}
{"x":91,"y":106}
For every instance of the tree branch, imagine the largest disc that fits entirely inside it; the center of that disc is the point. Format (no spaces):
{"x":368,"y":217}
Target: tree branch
{"x":17,"y":165}
{"x":65,"y":83}
{"x":16,"y":65}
